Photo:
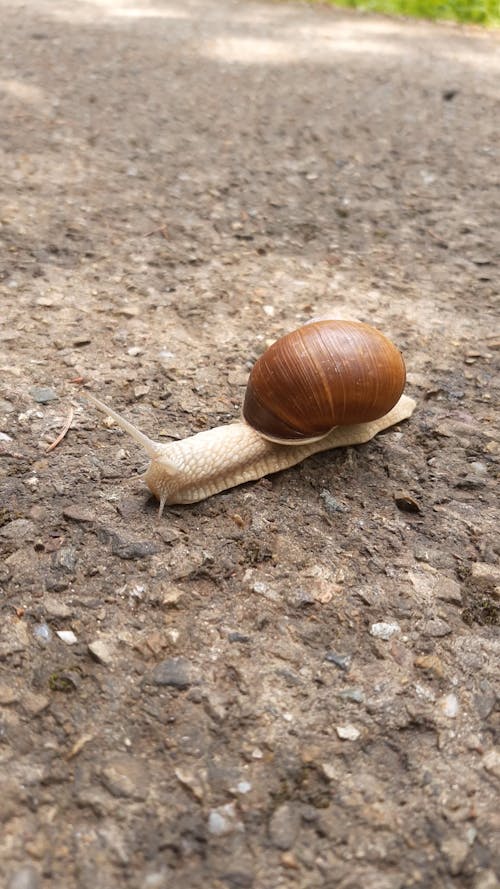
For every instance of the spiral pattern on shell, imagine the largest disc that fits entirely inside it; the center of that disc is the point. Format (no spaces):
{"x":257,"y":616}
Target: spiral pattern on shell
{"x":325,"y":374}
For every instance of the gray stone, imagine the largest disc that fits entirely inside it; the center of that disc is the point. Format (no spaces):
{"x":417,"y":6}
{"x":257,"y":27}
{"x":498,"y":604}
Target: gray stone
{"x":223,"y":820}
{"x":14,"y":637}
{"x":55,"y":606}
{"x":342,"y":661}
{"x":8,"y":694}
{"x":126,"y":776}
{"x":42,"y":633}
{"x":484,"y":574}
{"x":34,"y":703}
{"x":284,"y":826}
{"x":485,"y":700}
{"x":455,"y":851}
{"x":78,"y":514}
{"x":135,"y":549}
{"x":26,"y":877}
{"x":448,"y":590}
{"x":352,"y":694}
{"x":102,"y":651}
{"x":332,"y":505}
{"x":42,"y":394}
{"x":486,"y":879}
{"x":175,"y":671}
{"x":65,"y":559}
{"x":18,"y":529}
{"x":435,"y":627}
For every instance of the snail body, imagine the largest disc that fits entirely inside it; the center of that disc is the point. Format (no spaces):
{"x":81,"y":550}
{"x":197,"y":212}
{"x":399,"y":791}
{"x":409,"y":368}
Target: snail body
{"x":353,"y":382}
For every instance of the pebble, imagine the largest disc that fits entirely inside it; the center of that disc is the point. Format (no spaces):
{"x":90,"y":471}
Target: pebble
{"x":238,"y":637}
{"x":384,"y":630}
{"x":78,"y":514}
{"x":435,"y":627}
{"x":485,"y":574}
{"x":289,"y":860}
{"x":65,"y":559}
{"x":133,"y":550}
{"x":101,"y":651}
{"x":67,"y":636}
{"x":331,"y":504}
{"x":175,"y":671}
{"x":43,"y":633}
{"x":263,"y":589}
{"x":430,"y":662}
{"x":18,"y":529}
{"x":25,"y":877}
{"x":485,"y":700}
{"x":126,"y":776}
{"x":348,"y":732}
{"x":342,"y":661}
{"x":243,"y":787}
{"x":491,"y":762}
{"x":56,"y":607}
{"x":284,"y":826}
{"x":42,"y":394}
{"x":156,"y":880}
{"x":8,"y":694}
{"x":352,"y":694}
{"x":448,"y":590}
{"x":35,"y":703}
{"x":449,"y":706}
{"x":14,"y":637}
{"x":169,"y":595}
{"x":406,"y":503}
{"x":194,"y":781}
{"x":486,"y":879}
{"x":455,"y":851}
{"x":223,"y":820}
{"x":480,"y":467}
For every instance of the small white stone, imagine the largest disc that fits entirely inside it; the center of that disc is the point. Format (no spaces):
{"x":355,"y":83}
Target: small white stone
{"x":424,"y":692}
{"x":348,"y":732}
{"x":479,"y":467}
{"x":67,"y":636}
{"x":223,"y":820}
{"x":42,"y":632}
{"x":384,"y":630}
{"x":449,"y":706}
{"x":244,"y":787}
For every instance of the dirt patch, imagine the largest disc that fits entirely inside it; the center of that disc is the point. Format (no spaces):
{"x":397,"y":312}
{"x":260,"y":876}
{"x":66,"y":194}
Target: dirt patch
{"x":292,"y":683}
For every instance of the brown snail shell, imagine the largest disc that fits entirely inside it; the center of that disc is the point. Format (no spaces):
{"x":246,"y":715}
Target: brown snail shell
{"x":325,"y":374}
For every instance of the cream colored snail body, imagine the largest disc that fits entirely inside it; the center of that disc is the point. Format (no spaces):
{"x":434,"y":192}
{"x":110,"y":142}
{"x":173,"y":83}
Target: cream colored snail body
{"x":328,"y":384}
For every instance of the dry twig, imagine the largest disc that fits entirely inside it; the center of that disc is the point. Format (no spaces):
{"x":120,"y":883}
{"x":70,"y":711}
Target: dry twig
{"x":63,"y":432}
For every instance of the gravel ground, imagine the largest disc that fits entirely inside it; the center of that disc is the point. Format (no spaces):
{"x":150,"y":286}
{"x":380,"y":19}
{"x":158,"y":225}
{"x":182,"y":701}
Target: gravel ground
{"x":293,"y":683}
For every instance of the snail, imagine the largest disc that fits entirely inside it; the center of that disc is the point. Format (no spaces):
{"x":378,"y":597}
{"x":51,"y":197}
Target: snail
{"x":328,"y":384}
